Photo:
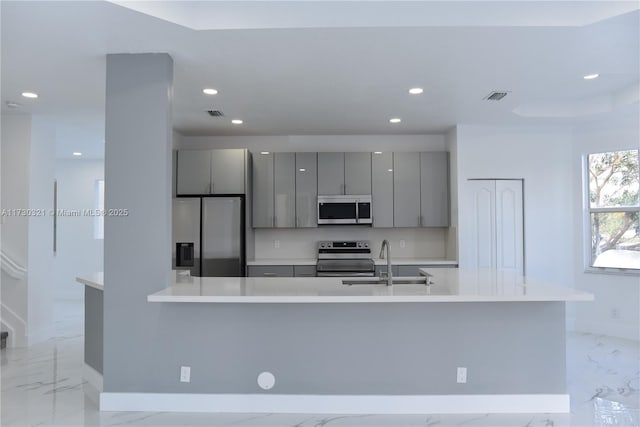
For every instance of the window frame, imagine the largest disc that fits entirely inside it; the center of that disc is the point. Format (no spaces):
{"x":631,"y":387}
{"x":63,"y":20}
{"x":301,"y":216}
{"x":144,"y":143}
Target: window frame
{"x":588,"y":210}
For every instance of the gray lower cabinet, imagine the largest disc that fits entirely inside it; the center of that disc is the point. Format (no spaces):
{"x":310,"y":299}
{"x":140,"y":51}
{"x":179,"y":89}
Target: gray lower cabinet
{"x":383,"y":269}
{"x":304,"y":270}
{"x":406,"y":189}
{"x":382,"y":189}
{"x":210,"y":172}
{"x":434,"y":189}
{"x":409,"y":270}
{"x":306,"y":189}
{"x":270,"y":271}
{"x":274,"y":190}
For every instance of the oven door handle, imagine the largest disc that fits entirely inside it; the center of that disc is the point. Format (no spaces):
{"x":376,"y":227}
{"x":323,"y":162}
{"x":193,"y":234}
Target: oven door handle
{"x":344,"y":274}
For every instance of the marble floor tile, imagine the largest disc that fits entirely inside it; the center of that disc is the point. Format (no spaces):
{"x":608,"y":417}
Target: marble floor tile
{"x":42,"y":385}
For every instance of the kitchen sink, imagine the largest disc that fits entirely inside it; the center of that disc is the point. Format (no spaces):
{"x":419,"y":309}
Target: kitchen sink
{"x":422,"y":280}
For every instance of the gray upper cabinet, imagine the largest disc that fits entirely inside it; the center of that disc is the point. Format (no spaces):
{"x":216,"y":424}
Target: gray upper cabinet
{"x":227,"y":171}
{"x":263,"y":190}
{"x":406,"y":189}
{"x":193,"y":172}
{"x":284,"y":189}
{"x":382,"y":189}
{"x":357,"y":173}
{"x":330,"y":173}
{"x":210,"y":172}
{"x":306,"y":190}
{"x":434,"y":189}
{"x":274,"y":190}
{"x":344,"y":173}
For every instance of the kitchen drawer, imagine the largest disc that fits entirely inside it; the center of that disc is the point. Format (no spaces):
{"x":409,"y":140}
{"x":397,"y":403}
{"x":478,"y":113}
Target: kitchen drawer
{"x":408,"y":270}
{"x":413,"y":270}
{"x":304,"y":270}
{"x":270,"y":271}
{"x":383,"y":268}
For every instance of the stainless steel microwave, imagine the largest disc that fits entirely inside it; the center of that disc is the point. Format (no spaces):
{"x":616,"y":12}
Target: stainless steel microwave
{"x":344,"y":210}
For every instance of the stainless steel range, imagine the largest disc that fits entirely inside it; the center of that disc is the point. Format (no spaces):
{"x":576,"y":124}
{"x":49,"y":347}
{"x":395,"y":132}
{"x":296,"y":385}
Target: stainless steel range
{"x":346,"y":258}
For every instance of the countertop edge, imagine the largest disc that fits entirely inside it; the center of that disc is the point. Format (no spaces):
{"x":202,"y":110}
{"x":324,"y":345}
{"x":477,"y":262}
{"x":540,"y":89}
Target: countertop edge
{"x":400,"y":261}
{"x":356,"y":299}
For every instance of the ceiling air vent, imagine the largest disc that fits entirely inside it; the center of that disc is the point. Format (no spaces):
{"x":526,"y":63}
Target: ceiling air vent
{"x":496,"y":96}
{"x":215,"y":113}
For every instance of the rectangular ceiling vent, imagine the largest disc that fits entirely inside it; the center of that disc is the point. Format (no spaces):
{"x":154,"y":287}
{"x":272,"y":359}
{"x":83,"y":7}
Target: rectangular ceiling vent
{"x":496,"y":96}
{"x":215,"y":113}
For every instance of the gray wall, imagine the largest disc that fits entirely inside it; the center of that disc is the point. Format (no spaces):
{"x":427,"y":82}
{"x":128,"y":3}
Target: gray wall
{"x":353,"y":348}
{"x":93,"y":327}
{"x":137,"y":247}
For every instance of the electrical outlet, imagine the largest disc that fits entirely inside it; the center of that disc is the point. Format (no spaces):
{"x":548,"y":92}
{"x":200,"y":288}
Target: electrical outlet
{"x":614,"y":313}
{"x":276,"y":243}
{"x":402,"y":243}
{"x":461,"y":376}
{"x":185,"y":374}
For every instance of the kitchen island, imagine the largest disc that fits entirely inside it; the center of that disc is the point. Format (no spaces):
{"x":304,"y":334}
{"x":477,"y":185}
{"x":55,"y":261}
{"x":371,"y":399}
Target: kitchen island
{"x":473,"y":342}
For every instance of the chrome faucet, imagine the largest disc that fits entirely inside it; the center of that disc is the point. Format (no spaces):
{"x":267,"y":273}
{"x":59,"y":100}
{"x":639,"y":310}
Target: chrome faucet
{"x":385,"y":243}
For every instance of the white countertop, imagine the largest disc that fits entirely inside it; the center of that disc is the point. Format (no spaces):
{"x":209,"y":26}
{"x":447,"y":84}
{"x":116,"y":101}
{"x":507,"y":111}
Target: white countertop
{"x":450,"y":285}
{"x":378,"y":261}
{"x":94,"y":280}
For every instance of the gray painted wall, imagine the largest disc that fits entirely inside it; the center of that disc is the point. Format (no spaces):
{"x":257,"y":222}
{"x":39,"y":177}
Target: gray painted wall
{"x":353,"y":348}
{"x":93,"y":327}
{"x":137,"y":247}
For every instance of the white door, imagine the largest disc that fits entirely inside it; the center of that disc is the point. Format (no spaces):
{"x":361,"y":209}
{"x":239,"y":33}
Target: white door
{"x":494,"y":225}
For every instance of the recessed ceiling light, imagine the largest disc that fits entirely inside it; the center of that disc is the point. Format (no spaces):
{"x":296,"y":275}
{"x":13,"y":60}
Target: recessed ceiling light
{"x":591,"y":76}
{"x":12,"y":104}
{"x":395,"y":120}
{"x":377,"y":152}
{"x":236,"y":121}
{"x":264,"y":152}
{"x":302,"y":170}
{"x":29,"y":94}
{"x":416,"y":90}
{"x":77,"y":153}
{"x":210,"y":91}
{"x":389,"y":170}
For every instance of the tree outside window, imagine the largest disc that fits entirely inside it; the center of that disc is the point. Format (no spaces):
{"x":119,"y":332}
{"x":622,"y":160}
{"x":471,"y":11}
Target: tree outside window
{"x":614,"y":210}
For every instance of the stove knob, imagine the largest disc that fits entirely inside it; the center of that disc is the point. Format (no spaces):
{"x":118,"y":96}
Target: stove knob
{"x":366,"y":245}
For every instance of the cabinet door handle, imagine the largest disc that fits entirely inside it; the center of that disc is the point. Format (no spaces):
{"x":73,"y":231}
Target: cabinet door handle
{"x":297,"y":221}
{"x":275,"y":221}
{"x":269,"y":274}
{"x":421,"y":220}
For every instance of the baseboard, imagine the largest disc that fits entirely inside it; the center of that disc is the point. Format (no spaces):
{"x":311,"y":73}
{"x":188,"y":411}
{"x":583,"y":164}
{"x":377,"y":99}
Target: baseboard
{"x":609,"y":328}
{"x":93,"y":383}
{"x":16,"y":325}
{"x":336,"y":404}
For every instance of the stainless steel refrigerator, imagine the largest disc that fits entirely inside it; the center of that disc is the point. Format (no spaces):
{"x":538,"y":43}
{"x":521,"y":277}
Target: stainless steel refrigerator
{"x":208,"y":236}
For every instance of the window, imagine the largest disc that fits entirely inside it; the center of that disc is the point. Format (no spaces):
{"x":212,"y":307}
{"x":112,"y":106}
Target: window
{"x":613,"y":210}
{"x":98,"y":219}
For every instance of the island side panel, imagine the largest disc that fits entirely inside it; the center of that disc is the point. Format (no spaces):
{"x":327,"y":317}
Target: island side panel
{"x":362,"y":349}
{"x":93,"y":327}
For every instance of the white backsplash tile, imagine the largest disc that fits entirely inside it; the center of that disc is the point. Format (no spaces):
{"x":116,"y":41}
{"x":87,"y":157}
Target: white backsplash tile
{"x":302,"y":243}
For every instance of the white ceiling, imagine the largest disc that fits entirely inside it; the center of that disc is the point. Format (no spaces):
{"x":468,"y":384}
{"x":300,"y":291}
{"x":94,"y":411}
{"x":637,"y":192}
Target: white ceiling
{"x":327,"y":67}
